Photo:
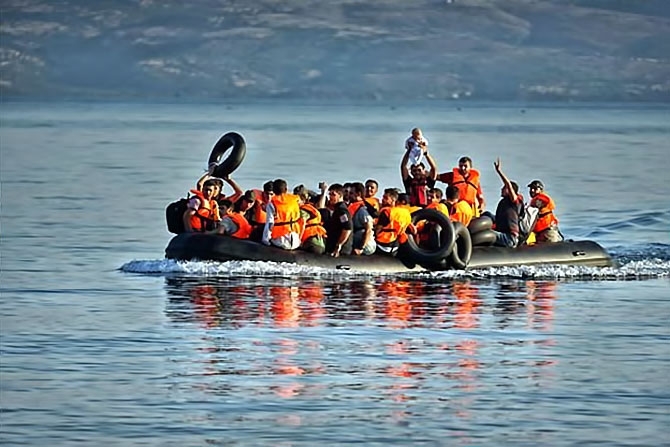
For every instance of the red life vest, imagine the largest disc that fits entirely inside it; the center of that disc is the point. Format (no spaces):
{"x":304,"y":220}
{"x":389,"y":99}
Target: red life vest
{"x":546,"y":217}
{"x":418,"y":191}
{"x":207,"y":214}
{"x":243,"y":226}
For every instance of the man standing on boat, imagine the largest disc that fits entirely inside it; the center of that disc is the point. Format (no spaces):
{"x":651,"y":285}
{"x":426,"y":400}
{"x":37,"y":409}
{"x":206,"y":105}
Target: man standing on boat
{"x":466,"y":179}
{"x":417,"y":180}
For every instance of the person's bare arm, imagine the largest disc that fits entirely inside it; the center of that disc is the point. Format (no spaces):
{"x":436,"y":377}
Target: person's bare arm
{"x":511,"y":194}
{"x":404,"y":173}
{"x":236,"y":188}
{"x":190,"y":212}
{"x":344,"y":235}
{"x":433,"y":166}
{"x":205,"y":176}
{"x":323,"y":186}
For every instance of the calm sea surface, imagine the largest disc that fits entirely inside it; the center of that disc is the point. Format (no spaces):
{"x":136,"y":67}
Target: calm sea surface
{"x":103,"y":342}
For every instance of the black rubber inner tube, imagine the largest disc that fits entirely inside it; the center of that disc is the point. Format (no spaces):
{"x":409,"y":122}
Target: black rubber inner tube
{"x":486,"y":237}
{"x":462,"y":252}
{"x":480,"y":223}
{"x":447,"y":237}
{"x":233,"y":141}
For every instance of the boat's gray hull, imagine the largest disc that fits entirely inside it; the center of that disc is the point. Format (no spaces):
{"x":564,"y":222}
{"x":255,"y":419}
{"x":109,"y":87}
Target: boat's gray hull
{"x":190,"y":246}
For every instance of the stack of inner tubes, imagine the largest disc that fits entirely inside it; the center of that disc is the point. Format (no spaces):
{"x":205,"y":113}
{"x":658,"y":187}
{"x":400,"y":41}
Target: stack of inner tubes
{"x":481,"y":232}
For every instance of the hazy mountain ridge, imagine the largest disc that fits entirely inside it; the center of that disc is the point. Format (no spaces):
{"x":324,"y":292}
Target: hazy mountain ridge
{"x":342,"y":49}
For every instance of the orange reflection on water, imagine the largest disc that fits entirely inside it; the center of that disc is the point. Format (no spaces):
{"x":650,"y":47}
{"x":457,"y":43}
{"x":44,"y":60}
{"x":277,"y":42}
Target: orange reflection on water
{"x":541,"y":296}
{"x":206,"y":305}
{"x":467,"y":305}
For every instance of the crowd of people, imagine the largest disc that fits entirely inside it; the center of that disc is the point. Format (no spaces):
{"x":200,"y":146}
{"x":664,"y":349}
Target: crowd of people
{"x":349,"y":218}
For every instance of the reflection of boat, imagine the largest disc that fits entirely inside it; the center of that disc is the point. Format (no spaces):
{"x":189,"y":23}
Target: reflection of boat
{"x":212,"y":247}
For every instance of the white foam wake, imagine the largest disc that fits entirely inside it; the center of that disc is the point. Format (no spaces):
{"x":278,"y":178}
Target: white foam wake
{"x":631,"y":269}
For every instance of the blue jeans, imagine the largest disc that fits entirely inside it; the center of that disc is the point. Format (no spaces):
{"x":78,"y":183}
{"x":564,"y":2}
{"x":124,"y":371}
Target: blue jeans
{"x":505,"y":240}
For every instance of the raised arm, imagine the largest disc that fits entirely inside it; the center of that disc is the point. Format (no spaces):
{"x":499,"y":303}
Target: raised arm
{"x":432,"y":174}
{"x":404,"y":173}
{"x":236,"y":188}
{"x":508,"y":185}
{"x":205,"y":176}
{"x":323,"y":186}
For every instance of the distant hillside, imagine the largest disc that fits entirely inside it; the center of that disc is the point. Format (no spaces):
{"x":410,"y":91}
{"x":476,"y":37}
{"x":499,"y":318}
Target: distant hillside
{"x":605,"y":50}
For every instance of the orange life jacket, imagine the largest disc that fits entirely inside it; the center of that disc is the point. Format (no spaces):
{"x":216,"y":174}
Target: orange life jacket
{"x":438,"y":206}
{"x":546,"y":217}
{"x":243,"y":226}
{"x":461,"y":211}
{"x":287,"y":215}
{"x":313,"y":225}
{"x":399,"y":220}
{"x":207,"y":214}
{"x":355,"y":206}
{"x":467,"y":188}
{"x":374,"y":202}
{"x":409,"y":208}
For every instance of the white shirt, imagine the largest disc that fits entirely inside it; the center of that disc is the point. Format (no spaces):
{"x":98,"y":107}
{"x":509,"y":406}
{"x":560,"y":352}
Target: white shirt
{"x":415,"y":151}
{"x":289,"y":241}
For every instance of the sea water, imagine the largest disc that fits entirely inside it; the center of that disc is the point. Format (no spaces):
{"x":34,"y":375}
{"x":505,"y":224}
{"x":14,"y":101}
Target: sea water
{"x":104,"y":342}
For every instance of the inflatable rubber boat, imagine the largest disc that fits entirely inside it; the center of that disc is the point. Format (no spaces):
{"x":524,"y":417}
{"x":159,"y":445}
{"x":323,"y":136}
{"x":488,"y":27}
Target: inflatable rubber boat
{"x":213,"y":247}
{"x":449,"y":246}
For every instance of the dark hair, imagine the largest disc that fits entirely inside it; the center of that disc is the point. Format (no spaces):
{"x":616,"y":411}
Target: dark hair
{"x":224,"y":203}
{"x":437,"y":192}
{"x":301,"y":192}
{"x":212,"y":182}
{"x":268,"y":186}
{"x":237,"y":206}
{"x":358,"y":188}
{"x":515,"y":187}
{"x":391,"y":192}
{"x":371,"y":180}
{"x":403,"y":197}
{"x":465,"y":160}
{"x":279,"y":186}
{"x":337,"y":188}
{"x":452,"y":192}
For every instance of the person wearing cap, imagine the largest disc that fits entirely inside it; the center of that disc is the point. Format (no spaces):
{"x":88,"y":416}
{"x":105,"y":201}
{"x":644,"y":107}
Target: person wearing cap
{"x":546,"y":226}
{"x":466,"y":179}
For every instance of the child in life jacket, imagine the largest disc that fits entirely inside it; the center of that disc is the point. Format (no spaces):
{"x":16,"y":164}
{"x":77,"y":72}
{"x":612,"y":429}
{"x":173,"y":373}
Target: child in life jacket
{"x":416,"y":144}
